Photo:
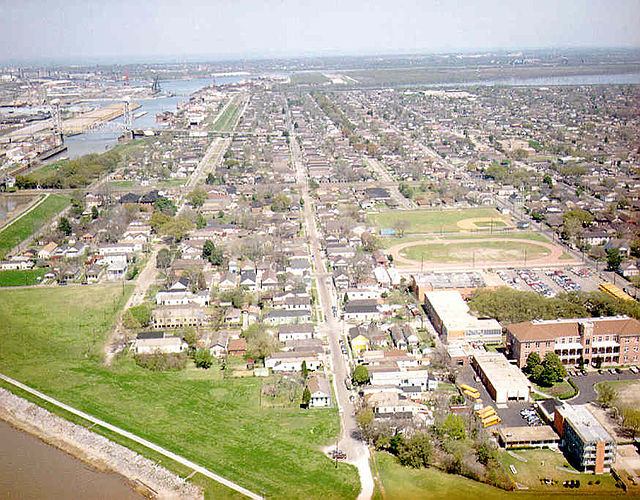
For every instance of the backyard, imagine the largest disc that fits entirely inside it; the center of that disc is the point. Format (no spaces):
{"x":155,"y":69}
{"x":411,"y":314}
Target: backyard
{"x":51,"y":339}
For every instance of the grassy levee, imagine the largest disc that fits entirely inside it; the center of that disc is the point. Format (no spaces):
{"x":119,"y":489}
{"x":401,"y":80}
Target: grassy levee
{"x":24,"y":227}
{"x":51,"y":339}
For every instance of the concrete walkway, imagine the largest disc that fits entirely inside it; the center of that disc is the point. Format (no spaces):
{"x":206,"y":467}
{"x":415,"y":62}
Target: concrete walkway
{"x":133,"y":437}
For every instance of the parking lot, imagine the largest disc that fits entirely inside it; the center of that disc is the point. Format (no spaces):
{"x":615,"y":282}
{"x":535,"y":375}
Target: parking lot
{"x":585,"y":383}
{"x":551,"y":282}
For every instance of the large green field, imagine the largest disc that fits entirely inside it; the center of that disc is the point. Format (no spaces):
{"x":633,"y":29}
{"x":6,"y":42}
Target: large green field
{"x":25,"y":226}
{"x":52,"y":338}
{"x":482,"y":251}
{"x":21,"y":278}
{"x":403,"y":483}
{"x":436,"y":221}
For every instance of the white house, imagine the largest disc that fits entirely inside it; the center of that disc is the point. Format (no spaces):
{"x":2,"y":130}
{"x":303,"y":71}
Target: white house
{"x":320,"y":392}
{"x":295,"y":332}
{"x":165,"y":345}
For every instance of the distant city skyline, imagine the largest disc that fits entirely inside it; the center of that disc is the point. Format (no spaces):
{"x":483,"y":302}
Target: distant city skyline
{"x":198,"y":30}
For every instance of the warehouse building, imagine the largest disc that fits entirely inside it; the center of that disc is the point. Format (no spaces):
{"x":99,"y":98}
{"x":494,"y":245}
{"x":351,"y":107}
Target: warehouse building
{"x":451,"y":317}
{"x":504,"y":381}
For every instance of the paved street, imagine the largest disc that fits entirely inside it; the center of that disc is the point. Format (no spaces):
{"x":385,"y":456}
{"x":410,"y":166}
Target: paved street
{"x":357,"y":452}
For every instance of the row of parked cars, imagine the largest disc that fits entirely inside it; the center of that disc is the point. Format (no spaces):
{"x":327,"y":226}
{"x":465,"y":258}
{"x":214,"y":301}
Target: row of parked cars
{"x":563,"y":281}
{"x":531,"y":416}
{"x":532,"y":279}
{"x":602,"y":371}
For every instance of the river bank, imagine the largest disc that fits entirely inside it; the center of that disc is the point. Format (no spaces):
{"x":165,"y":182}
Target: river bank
{"x":143,"y":475}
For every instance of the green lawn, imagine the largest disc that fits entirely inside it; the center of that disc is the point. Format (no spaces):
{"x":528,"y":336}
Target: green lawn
{"x":24,"y":227}
{"x":433,"y":221}
{"x":51,"y":339}
{"x":545,"y":463}
{"x":498,"y":251}
{"x":21,"y":278}
{"x":227,"y":119}
{"x":562,"y":390}
{"x":402,"y":483}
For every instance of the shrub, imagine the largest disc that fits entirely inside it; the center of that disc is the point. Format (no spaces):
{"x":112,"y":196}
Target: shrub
{"x":161,"y":362}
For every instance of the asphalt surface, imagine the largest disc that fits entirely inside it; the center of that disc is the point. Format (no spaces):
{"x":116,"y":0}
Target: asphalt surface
{"x":356,"y":450}
{"x":585,"y":384}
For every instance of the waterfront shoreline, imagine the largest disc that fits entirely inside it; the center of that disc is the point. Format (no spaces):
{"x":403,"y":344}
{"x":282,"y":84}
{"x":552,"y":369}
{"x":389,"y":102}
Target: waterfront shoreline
{"x":141,"y":474}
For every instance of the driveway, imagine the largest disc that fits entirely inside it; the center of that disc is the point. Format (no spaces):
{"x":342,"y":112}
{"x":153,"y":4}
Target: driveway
{"x":585,"y":384}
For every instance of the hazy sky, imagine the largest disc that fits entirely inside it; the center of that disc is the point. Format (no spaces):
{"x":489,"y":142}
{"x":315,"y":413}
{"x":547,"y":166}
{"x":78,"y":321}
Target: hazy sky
{"x":87,"y":28}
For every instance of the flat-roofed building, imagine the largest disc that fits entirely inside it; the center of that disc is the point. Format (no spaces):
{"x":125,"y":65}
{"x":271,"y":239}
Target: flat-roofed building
{"x":528,"y":437}
{"x":584,"y":439}
{"x":451,"y":317}
{"x":504,"y":381}
{"x":615,"y":340}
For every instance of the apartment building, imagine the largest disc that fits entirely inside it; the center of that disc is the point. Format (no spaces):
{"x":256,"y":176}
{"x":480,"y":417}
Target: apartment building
{"x":588,"y":445}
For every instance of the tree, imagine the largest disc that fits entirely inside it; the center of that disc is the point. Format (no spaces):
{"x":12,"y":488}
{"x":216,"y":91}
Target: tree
{"x":306,"y":397}
{"x":190,"y":336}
{"x":197,"y":197}
{"x":203,"y":358}
{"x":163,"y":258}
{"x":261,"y":345}
{"x":360,"y":375}
{"x":201,"y":221}
{"x":631,"y":420}
{"x":177,"y":228}
{"x":552,"y":370}
{"x":165,"y":205}
{"x":64,"y":226}
{"x":400,"y":226}
{"x":305,"y":370}
{"x":607,"y":396}
{"x":533,"y":360}
{"x":158,"y":219}
{"x":453,"y":426}
{"x":548,"y":181}
{"x":364,"y":417}
{"x":94,"y":212}
{"x":416,"y":451}
{"x":212,"y":253}
{"x":613,"y":259}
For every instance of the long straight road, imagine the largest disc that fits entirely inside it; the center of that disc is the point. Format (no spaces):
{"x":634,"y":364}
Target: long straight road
{"x":356,"y":450}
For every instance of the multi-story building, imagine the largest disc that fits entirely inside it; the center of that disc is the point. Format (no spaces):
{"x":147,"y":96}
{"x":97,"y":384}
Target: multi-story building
{"x":450,"y":316}
{"x":614,"y":340}
{"x":588,"y":445}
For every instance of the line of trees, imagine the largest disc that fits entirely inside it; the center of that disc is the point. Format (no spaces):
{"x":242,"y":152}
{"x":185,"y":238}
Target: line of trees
{"x":76,"y":173}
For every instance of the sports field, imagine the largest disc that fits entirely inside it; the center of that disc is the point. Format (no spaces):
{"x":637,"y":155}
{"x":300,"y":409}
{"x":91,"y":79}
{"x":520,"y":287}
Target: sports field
{"x":499,"y":251}
{"x":442,"y":221}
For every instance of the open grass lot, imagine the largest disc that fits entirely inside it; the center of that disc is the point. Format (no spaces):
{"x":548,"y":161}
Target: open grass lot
{"x":24,"y":227}
{"x":21,"y":278}
{"x":628,"y":391}
{"x":51,"y":339}
{"x":482,"y":251}
{"x":402,"y":483}
{"x":562,"y":390}
{"x":545,"y":463}
{"x":434,"y":221}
